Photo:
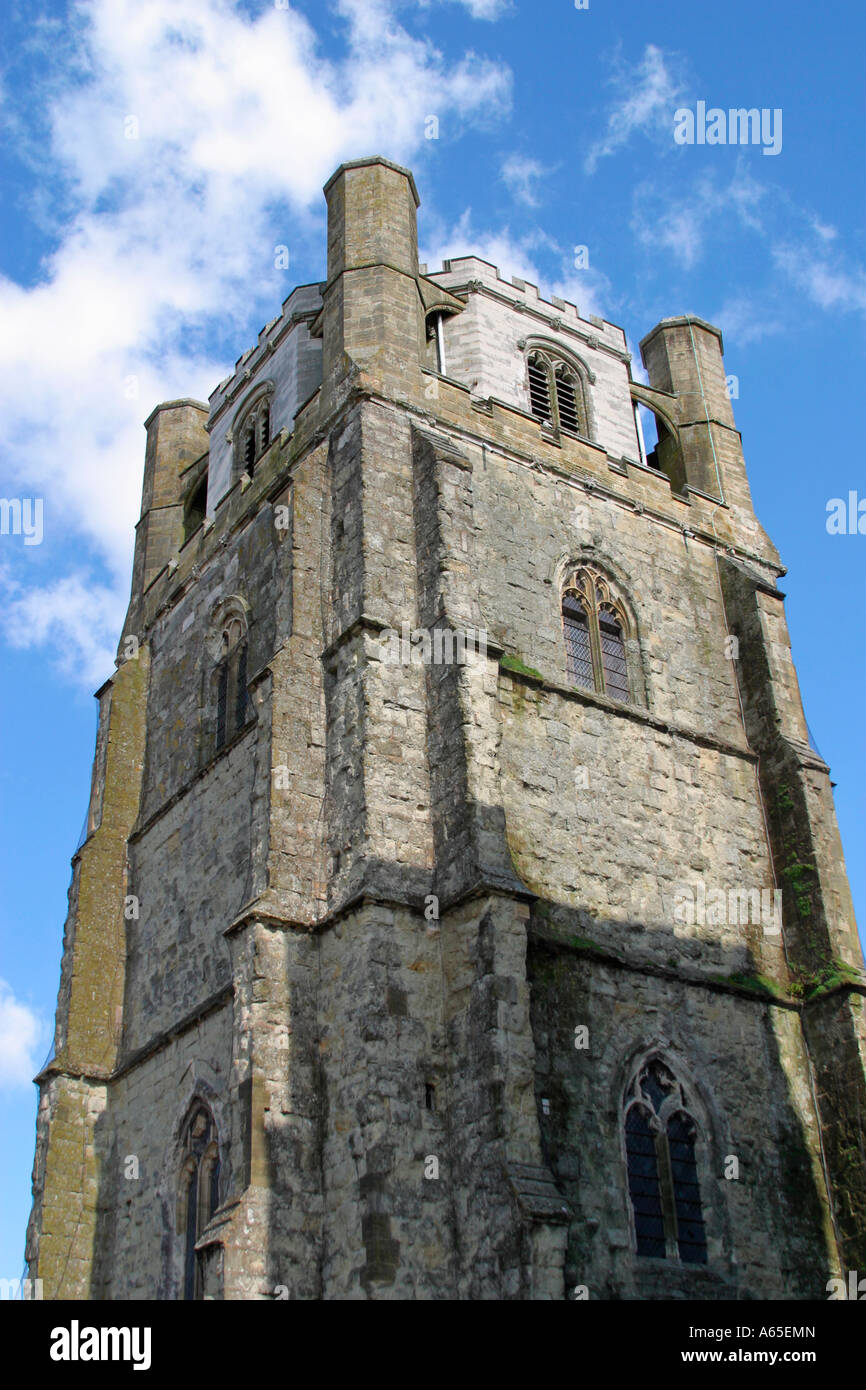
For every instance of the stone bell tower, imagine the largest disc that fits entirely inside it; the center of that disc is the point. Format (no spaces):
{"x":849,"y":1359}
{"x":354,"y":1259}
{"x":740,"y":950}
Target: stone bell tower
{"x":416,"y":948}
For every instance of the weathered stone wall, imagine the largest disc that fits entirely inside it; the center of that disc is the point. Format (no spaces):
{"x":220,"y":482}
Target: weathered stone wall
{"x":768,"y":1230}
{"x":139,"y":1246}
{"x":366,"y":929}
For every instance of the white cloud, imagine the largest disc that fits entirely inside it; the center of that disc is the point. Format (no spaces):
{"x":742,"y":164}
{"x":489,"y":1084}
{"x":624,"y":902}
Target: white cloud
{"x":167,"y":243}
{"x":486,"y":9}
{"x":512,"y":255}
{"x":647,"y":96}
{"x":76,"y":619}
{"x":745,"y":319}
{"x":588,"y":288}
{"x":685,"y":223}
{"x":23,"y":1035}
{"x":796,"y":242}
{"x":478,"y":9}
{"x":828,"y":286}
{"x":521,"y":174}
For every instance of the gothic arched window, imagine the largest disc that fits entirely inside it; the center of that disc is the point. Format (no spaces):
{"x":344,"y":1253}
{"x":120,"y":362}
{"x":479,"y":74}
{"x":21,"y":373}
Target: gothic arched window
{"x":252,"y":435}
{"x":557,"y":394}
{"x":231,"y":681}
{"x":198,"y":1195}
{"x":595,"y":627}
{"x":660,"y":1148}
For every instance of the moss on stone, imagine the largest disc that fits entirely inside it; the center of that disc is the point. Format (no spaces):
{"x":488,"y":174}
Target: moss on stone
{"x":822,"y":981}
{"x":758,"y":984}
{"x":514,"y":663}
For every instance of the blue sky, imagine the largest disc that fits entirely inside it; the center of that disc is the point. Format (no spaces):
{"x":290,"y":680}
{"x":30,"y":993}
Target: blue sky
{"x":155,"y":153}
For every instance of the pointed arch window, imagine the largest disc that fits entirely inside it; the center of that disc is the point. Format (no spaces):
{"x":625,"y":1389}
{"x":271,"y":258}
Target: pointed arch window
{"x":556,"y":394}
{"x":198,"y":1194}
{"x":253,"y":435}
{"x":661,"y":1163}
{"x":595,"y":628}
{"x":231,"y":681}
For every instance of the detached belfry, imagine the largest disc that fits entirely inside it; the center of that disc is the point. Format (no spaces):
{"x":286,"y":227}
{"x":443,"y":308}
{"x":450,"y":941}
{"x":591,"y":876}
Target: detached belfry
{"x":462,"y":912}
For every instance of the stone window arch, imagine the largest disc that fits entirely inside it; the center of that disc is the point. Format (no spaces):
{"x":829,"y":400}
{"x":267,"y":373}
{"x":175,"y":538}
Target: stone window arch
{"x":229,"y":652}
{"x":252,"y":431}
{"x":597,"y":632}
{"x":662,"y":1138}
{"x":198,"y":1191}
{"x":559,"y":391}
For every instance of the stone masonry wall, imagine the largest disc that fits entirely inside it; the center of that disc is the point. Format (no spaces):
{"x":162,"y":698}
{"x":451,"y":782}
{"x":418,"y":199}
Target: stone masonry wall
{"x":366,"y":930}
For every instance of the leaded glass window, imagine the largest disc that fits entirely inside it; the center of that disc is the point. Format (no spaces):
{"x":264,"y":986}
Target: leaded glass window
{"x":643,"y":1183}
{"x":595,"y":629}
{"x":661,"y":1162}
{"x":578,"y":648}
{"x":198,"y":1197}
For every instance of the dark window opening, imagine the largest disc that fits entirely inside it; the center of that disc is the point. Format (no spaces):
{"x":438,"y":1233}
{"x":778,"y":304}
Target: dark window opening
{"x":222,"y":703}
{"x":691,"y":1236}
{"x":429,"y":1096}
{"x":189,"y":1280}
{"x":196,"y":509}
{"x":661,"y":1160}
{"x":232,"y":699}
{"x":254,"y":436}
{"x":199,"y":1193}
{"x":643,"y":1184}
{"x":241,"y":688}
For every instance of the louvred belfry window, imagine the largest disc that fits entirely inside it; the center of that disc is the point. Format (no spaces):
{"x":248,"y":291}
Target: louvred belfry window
{"x":250,"y":447}
{"x":539,"y":389}
{"x":595,"y":629}
{"x":556,"y":394}
{"x":566,"y":400}
{"x":662,"y":1170}
{"x":253,"y":436}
